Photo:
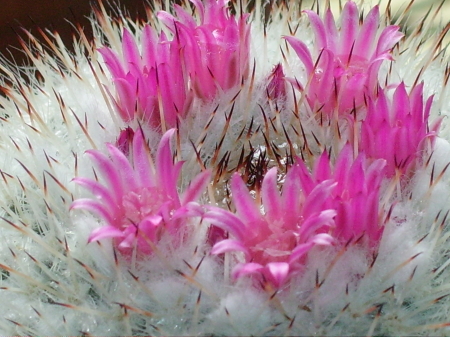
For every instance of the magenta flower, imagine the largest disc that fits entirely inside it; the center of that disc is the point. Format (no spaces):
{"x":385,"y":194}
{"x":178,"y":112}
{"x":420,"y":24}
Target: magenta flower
{"x":396,"y":130}
{"x":150,"y":85}
{"x":158,"y":84}
{"x":339,"y":204}
{"x":139,"y":201}
{"x":346,"y":61}
{"x":291,"y":224}
{"x":216,"y":50}
{"x":356,"y":196}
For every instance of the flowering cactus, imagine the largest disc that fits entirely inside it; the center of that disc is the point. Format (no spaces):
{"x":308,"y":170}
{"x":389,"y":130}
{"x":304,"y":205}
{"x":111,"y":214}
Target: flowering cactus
{"x":228,"y":169}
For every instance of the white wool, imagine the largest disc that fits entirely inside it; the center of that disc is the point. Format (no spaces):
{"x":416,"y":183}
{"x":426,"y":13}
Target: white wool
{"x":237,"y":309}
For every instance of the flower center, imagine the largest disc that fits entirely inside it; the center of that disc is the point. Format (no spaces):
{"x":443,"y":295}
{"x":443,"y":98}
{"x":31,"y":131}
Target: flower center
{"x":275,"y":248}
{"x":346,"y":68}
{"x":142,"y":203}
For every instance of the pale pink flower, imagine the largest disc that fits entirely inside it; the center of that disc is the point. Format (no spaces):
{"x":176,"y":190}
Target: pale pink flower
{"x":397,"y":129}
{"x":139,"y":200}
{"x":346,"y":61}
{"x":274,"y":241}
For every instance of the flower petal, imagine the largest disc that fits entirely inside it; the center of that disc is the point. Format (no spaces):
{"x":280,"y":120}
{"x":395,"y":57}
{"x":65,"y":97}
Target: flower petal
{"x":227,"y":221}
{"x":278,"y":272}
{"x":105,"y":232}
{"x":196,"y":187}
{"x":229,"y":245}
{"x":349,"y":27}
{"x":302,"y":52}
{"x":245,"y":204}
{"x":243,"y":269}
{"x":271,"y":196}
{"x":95,"y":207}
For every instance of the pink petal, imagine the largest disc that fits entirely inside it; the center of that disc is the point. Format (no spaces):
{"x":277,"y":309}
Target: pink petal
{"x":243,"y":269}
{"x":123,"y":166}
{"x":322,"y":239}
{"x":167,"y":19}
{"x":342,"y":166}
{"x":200,"y":9}
{"x":129,"y":238}
{"x":97,"y":189}
{"x":291,"y":200}
{"x":316,"y":223}
{"x":364,"y":42}
{"x":185,"y":17}
{"x":149,"y":226}
{"x":315,"y":201}
{"x":113,"y":62}
{"x":130,"y":49}
{"x":95,"y":207}
{"x":164,"y":162}
{"x":143,"y":164}
{"x":349,"y":27}
{"x":230,"y":245}
{"x":245,"y":205}
{"x":388,"y":38}
{"x":105,"y":232}
{"x":278,"y":272}
{"x":321,"y":86}
{"x":271,"y":196}
{"x":227,"y":221}
{"x":299,"y":251}
{"x":196,"y":188}
{"x":319,"y":30}
{"x":322,"y":168}
{"x":173,"y":89}
{"x":149,"y":43}
{"x":400,"y":102}
{"x":189,"y":210}
{"x":331,"y":31}
{"x":302,"y":52}
{"x":127,"y":99}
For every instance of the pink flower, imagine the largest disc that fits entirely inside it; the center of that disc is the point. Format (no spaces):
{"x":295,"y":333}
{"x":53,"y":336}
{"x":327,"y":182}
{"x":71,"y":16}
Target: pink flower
{"x":150,"y":85}
{"x":158,"y":83}
{"x":216,"y":50}
{"x":139,"y":200}
{"x":346,"y":61}
{"x":396,"y":130}
{"x":273,"y":242}
{"x":332,"y":204}
{"x":356,"y":196}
